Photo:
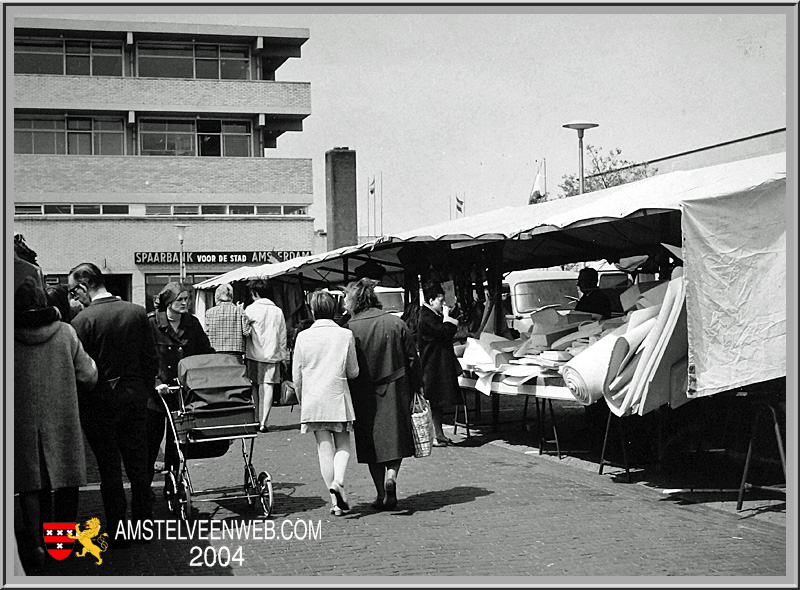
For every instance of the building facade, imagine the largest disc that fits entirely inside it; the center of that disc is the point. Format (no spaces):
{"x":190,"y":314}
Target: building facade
{"x":125,"y":130}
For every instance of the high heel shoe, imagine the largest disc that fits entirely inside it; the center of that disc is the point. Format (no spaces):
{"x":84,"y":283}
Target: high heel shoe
{"x":390,"y":501}
{"x":338,"y":491}
{"x":336,"y":511}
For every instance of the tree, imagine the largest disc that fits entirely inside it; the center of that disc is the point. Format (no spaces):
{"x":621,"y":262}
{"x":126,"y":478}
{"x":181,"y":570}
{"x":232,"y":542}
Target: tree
{"x":604,"y":171}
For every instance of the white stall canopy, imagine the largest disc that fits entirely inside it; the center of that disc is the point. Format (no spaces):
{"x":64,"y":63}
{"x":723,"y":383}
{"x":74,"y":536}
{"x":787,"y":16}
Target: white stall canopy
{"x":728,"y":220}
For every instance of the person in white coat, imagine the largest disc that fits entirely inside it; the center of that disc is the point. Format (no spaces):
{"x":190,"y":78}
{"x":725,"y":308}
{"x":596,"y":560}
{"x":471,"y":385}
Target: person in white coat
{"x":324,"y":359}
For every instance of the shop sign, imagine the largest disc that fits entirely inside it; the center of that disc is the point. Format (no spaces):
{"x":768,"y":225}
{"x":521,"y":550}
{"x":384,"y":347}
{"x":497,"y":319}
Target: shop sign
{"x":246,"y":257}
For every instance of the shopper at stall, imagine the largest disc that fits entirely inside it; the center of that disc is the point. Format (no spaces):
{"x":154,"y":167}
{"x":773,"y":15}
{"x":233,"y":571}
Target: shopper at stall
{"x":592,"y":300}
{"x":50,"y":365}
{"x":324,"y":359}
{"x":115,"y":333}
{"x":177,"y":334}
{"x":383,"y":391}
{"x":226,"y":324}
{"x":440,"y":367}
{"x":266,"y":347}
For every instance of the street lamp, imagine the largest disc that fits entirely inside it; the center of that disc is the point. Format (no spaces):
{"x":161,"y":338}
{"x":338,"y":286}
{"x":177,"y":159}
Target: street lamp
{"x":580,"y":127}
{"x":181,"y":227}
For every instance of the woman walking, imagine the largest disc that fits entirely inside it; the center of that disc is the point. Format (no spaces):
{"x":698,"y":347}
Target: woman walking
{"x":177,"y":334}
{"x":383,"y":390}
{"x":324,"y":359}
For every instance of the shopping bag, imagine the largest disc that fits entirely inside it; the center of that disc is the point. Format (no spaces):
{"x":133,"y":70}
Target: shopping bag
{"x":422,"y":423}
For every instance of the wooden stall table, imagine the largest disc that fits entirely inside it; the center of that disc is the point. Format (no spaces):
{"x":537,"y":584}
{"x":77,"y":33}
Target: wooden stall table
{"x":546,"y":387}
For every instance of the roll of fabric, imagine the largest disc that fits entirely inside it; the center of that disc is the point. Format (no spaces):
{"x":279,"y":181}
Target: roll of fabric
{"x":585,"y":374}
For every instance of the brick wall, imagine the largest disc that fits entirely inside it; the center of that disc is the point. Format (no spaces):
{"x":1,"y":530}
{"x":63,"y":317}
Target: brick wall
{"x":148,"y":178}
{"x":111,"y":243}
{"x":161,"y":95}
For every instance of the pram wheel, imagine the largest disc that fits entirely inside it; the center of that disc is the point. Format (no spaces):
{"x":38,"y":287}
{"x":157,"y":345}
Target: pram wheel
{"x":250,"y":484}
{"x":265,"y":493}
{"x":184,"y":499}
{"x":170,"y":486}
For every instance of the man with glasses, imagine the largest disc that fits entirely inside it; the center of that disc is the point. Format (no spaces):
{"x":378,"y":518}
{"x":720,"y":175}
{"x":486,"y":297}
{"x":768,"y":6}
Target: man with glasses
{"x":116,"y":334}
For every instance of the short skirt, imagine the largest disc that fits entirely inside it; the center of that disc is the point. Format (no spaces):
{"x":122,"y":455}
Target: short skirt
{"x":263,"y":373}
{"x":306,"y":427}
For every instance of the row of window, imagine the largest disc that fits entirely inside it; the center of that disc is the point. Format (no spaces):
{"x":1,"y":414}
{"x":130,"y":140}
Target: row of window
{"x":99,"y":209}
{"x":152,"y":60}
{"x":157,"y":137}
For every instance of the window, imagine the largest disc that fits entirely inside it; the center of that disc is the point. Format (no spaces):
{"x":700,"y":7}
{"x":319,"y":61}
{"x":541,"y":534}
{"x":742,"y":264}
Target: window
{"x":193,"y":60}
{"x":115,"y":209}
{"x":158,"y":210}
{"x":213,"y":137}
{"x":241,"y":209}
{"x":72,"y":135}
{"x":167,"y":138}
{"x":58,"y":209}
{"x":86,"y":209}
{"x":70,"y":57}
{"x":184,"y":210}
{"x":269,"y":210}
{"x":27,"y":209}
{"x":213,"y":209}
{"x":292,"y":210}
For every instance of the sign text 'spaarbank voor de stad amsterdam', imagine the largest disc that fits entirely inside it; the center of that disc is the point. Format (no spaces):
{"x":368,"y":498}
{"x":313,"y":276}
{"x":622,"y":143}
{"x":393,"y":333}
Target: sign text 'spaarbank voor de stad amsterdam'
{"x":248,"y":257}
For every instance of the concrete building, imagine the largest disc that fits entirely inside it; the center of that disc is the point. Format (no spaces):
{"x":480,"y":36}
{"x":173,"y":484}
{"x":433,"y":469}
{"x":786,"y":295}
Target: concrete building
{"x":123,"y":130}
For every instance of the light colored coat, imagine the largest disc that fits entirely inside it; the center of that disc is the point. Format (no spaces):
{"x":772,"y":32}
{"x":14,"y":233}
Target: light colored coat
{"x":49,"y":364}
{"x":267,"y":340}
{"x":324,"y":359}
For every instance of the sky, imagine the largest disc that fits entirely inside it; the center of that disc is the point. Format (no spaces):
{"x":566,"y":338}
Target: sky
{"x":469,"y":101}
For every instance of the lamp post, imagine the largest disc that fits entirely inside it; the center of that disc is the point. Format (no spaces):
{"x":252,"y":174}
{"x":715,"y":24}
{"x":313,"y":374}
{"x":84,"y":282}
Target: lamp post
{"x":580,"y":127}
{"x":181,"y":227}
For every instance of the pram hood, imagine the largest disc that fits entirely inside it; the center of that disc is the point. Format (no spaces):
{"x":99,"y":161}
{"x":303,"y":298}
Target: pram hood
{"x":213,"y":381}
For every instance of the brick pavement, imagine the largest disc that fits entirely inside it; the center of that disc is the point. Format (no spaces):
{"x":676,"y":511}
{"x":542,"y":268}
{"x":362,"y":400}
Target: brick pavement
{"x":485,"y":509}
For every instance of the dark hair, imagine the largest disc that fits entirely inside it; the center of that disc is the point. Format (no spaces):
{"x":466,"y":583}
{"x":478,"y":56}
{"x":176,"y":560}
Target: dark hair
{"x":361,"y":296}
{"x":323,"y":305}
{"x":588,"y":274}
{"x":29,"y":295}
{"x":259,"y":287}
{"x":170,"y":293}
{"x":58,"y":297}
{"x":88,"y":274}
{"x":431,"y":290}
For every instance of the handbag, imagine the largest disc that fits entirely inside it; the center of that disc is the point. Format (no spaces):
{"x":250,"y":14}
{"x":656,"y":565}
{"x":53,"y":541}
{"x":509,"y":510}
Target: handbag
{"x":285,"y":395}
{"x":423,"y":429}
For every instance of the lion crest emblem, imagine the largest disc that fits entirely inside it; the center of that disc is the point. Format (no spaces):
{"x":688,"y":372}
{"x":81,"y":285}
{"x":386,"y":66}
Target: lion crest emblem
{"x":85,"y":537}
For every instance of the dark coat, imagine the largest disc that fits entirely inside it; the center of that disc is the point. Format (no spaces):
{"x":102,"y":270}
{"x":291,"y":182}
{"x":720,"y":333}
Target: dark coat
{"x":172,"y":346}
{"x":383,"y":391}
{"x":440,"y":367}
{"x":595,"y":301}
{"x":49,"y":366}
{"x":116,"y":335}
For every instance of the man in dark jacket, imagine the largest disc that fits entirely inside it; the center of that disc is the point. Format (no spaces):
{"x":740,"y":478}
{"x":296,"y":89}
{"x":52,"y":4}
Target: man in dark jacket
{"x":592,"y":300}
{"x":440,"y":367}
{"x":115,"y":333}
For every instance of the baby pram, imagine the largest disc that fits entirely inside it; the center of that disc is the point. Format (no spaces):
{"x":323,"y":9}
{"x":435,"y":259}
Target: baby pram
{"x":210,"y":408}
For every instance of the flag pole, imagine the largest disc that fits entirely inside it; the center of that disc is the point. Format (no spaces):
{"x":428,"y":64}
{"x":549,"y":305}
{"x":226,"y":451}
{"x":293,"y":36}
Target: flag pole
{"x":368,"y":234}
{"x":381,"y":202}
{"x":544,"y":178}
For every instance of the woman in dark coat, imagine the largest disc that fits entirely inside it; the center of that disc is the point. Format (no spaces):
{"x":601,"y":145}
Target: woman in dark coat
{"x":50,"y":365}
{"x":177,"y":334}
{"x":440,"y":367}
{"x":383,"y":391}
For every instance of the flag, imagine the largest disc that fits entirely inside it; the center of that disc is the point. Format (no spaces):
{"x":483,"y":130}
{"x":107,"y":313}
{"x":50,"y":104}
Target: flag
{"x":537,"y":192}
{"x":459,"y":205}
{"x":372,"y":186}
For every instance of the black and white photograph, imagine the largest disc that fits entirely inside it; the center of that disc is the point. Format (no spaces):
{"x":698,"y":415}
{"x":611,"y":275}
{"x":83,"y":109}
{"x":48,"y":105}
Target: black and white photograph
{"x":400,"y":295}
